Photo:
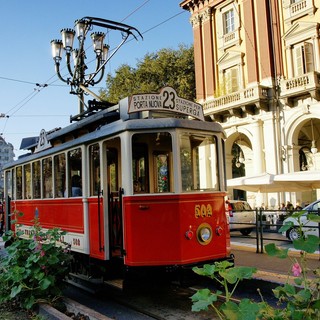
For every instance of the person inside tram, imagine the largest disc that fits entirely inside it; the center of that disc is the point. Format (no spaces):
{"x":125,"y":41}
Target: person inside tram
{"x":76,"y":190}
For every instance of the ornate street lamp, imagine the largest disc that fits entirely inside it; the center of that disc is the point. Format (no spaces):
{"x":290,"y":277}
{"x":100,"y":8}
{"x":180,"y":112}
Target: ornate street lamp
{"x":78,"y":76}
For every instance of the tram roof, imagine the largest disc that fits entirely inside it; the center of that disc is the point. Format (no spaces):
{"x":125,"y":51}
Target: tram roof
{"x":109,"y":122}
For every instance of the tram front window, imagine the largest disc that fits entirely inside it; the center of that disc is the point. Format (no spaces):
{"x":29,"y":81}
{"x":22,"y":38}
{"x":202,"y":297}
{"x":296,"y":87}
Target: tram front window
{"x":152,"y":162}
{"x":199,"y":162}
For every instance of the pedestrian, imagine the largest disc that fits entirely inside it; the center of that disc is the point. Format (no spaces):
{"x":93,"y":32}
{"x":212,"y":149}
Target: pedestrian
{"x":289,"y":207}
{"x":298,"y":206}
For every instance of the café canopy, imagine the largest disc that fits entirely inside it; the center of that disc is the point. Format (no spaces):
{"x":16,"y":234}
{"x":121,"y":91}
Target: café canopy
{"x":286,"y":182}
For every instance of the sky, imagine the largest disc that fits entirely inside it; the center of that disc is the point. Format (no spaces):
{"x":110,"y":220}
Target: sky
{"x":32,"y":96}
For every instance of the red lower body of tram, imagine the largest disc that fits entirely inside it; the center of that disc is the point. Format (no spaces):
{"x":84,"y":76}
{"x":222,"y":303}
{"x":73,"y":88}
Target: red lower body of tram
{"x":143,"y":230}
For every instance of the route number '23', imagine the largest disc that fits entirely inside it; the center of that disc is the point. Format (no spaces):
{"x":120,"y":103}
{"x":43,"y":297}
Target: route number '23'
{"x":201,"y":210}
{"x":169,"y":101}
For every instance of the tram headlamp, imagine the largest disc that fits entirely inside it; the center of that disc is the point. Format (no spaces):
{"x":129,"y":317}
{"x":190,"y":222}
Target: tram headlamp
{"x":204,"y":234}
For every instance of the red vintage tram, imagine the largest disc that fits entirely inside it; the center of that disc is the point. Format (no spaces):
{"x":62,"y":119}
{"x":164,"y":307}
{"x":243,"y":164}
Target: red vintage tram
{"x":139,"y":182}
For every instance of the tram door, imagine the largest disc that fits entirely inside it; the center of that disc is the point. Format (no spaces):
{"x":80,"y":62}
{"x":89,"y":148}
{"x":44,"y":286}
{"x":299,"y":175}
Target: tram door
{"x":114,"y":203}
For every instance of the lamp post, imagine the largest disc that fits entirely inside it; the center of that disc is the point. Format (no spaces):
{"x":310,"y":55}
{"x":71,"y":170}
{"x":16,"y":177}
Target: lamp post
{"x":78,"y":75}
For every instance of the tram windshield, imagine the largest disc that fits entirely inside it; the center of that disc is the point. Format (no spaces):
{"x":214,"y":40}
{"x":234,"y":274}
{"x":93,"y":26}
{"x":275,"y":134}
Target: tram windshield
{"x":199,"y":162}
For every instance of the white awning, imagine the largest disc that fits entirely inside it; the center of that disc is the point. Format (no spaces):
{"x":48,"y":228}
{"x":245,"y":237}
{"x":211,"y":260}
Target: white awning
{"x":287,"y":182}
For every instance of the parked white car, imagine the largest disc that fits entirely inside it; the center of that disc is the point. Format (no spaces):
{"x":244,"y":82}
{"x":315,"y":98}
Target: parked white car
{"x":307,"y":227}
{"x":241,"y":216}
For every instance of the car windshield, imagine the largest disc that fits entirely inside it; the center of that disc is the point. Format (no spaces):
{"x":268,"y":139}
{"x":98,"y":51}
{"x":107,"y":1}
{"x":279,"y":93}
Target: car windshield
{"x":313,"y":206}
{"x":238,"y":206}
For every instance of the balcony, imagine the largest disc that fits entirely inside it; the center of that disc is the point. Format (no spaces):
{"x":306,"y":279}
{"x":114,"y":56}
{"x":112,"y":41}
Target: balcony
{"x":305,"y":85}
{"x":240,"y":103}
{"x":298,"y":9}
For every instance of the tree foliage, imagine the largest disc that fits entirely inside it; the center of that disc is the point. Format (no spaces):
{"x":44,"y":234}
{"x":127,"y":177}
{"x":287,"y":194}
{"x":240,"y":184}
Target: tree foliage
{"x":167,"y":67}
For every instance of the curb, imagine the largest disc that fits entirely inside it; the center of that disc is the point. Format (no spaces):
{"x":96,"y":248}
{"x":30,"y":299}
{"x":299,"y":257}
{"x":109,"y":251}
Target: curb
{"x":292,"y":252}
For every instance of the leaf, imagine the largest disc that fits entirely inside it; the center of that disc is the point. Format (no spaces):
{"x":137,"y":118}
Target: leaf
{"x":232,"y":275}
{"x":309,"y":244}
{"x":303,"y":296}
{"x":246,"y":310}
{"x":313,"y":217}
{"x":207,"y":270}
{"x":286,"y":226}
{"x":44,"y":283}
{"x":15,"y":290}
{"x":202,"y":299}
{"x":274,"y":251}
{"x":287,"y":290}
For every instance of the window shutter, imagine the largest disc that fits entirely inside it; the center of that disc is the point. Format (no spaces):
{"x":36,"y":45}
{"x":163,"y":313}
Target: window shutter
{"x":234,"y":80}
{"x":299,"y":61}
{"x":308,"y":50}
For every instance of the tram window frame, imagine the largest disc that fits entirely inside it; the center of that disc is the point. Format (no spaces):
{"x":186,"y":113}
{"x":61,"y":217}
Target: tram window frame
{"x":47,"y":178}
{"x":95,"y":166}
{"x":190,"y":159}
{"x":74,"y":172}
{"x":18,"y":182}
{"x":36,"y":179}
{"x":59,"y":174}
{"x":27,"y":190}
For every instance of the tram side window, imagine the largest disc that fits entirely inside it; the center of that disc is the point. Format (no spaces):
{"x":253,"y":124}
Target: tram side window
{"x":18,"y":182}
{"x":59,"y":175}
{"x":8,"y":181}
{"x":36,"y":179}
{"x":199,"y":162}
{"x":95,"y":187}
{"x":27,"y":181}
{"x":75,"y":173}
{"x":47,"y":178}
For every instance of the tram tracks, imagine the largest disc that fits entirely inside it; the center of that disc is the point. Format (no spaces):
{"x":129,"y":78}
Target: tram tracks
{"x":138,"y":300}
{"x":147,"y":300}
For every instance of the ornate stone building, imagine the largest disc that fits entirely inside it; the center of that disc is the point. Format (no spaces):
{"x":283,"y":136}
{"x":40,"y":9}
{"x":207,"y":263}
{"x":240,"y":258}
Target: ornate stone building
{"x":258,"y":74}
{"x":6,"y":155}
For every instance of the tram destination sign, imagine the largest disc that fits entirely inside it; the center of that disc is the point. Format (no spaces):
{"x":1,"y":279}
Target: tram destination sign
{"x":166,"y":101}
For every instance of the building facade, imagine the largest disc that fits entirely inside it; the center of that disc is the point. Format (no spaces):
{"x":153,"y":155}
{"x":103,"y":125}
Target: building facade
{"x":258,"y":73}
{"x":6,"y":155}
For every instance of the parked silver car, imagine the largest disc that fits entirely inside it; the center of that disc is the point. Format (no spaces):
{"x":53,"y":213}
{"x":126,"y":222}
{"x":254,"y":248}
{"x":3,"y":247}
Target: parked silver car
{"x":307,"y":227}
{"x":241,"y":216}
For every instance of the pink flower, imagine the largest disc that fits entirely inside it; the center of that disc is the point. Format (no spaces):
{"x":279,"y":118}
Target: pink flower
{"x":296,"y":269}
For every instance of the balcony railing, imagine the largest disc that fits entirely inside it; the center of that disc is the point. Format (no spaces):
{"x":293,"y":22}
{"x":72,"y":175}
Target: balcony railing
{"x":298,"y":9}
{"x":307,"y":84}
{"x":245,"y":100}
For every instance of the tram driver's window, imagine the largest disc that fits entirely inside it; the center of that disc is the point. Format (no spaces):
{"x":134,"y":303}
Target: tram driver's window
{"x":75,"y":173}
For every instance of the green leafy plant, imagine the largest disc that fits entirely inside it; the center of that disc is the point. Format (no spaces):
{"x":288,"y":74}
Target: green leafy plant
{"x":33,"y":269}
{"x":300,"y":300}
